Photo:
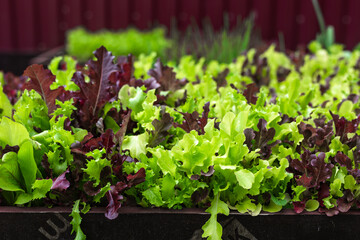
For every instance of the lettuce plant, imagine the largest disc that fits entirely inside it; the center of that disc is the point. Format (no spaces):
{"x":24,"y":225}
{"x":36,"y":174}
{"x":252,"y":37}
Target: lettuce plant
{"x":263,"y":133}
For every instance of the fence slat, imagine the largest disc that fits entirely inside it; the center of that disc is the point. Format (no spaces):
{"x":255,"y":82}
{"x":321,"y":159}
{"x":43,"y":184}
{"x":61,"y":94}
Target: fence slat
{"x":265,"y":13}
{"x":214,"y":13}
{"x":333,"y":11}
{"x":72,"y":13}
{"x":166,"y":12}
{"x":142,"y":14}
{"x":94,"y":14}
{"x":353,"y":37}
{"x":238,"y":9}
{"x":119,"y":14}
{"x":6,"y":43}
{"x":25,"y":29}
{"x":308,"y":25}
{"x":189,"y":11}
{"x":285,"y":21}
{"x":49,"y":24}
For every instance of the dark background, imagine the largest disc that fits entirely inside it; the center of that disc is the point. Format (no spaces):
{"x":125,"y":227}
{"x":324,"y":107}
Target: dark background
{"x":38,"y":25}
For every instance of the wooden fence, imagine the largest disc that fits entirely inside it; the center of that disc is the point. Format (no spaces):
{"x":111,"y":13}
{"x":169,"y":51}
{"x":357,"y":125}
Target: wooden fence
{"x":35,"y":25}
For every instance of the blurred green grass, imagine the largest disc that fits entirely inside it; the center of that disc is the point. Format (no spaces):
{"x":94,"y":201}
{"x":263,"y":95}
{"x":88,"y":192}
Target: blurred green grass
{"x":222,"y":45}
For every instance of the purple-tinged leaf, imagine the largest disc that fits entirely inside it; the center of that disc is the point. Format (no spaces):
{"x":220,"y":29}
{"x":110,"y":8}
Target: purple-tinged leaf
{"x":13,"y":85}
{"x":61,"y":183}
{"x":299,"y":207}
{"x":324,"y":88}
{"x":312,"y":170}
{"x":199,"y":195}
{"x":193,"y":122}
{"x":286,"y":119}
{"x":305,"y":180}
{"x":125,"y":75}
{"x":250,"y":92}
{"x":117,"y":161}
{"x":137,"y":178}
{"x":166,"y":77}
{"x":356,"y":174}
{"x":209,"y":173}
{"x":329,"y":212}
{"x":320,"y":170}
{"x":100,"y":90}
{"x":89,"y":188}
{"x":262,"y":73}
{"x":282,"y":73}
{"x":89,"y":143}
{"x":206,"y":174}
{"x":249,"y":136}
{"x":346,"y":202}
{"x":162,"y":128}
{"x":296,"y":166}
{"x":220,"y":79}
{"x":41,"y":80}
{"x":343,"y":127}
{"x":126,"y":66}
{"x":343,"y":160}
{"x":114,"y":199}
{"x":107,"y":141}
{"x":320,"y":136}
{"x":324,"y":192}
{"x":259,"y":139}
{"x":119,"y":136}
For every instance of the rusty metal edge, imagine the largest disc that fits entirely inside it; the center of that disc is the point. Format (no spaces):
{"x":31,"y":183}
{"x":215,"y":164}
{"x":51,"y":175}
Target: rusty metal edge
{"x":140,"y":210}
{"x":45,"y":57}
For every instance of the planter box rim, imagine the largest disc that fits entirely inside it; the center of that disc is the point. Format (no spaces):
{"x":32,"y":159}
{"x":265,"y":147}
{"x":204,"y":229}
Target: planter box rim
{"x":140,"y":210}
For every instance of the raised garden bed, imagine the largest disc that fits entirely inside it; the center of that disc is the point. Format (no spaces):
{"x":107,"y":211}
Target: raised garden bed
{"x":161,"y":224}
{"x":264,"y":133}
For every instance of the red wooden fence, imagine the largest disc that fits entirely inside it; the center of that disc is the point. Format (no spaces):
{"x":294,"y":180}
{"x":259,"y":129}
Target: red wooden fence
{"x":34,"y":25}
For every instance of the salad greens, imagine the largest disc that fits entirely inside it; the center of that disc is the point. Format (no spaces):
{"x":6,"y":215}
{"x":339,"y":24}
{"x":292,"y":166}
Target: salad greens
{"x":262,"y":133}
{"x":81,"y":43}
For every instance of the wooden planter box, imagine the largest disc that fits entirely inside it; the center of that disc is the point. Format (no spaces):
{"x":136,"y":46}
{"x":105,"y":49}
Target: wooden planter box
{"x":139,"y":223}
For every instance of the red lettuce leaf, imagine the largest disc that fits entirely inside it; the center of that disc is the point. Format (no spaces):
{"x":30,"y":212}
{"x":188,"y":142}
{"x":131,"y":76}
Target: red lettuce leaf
{"x":220,"y":79}
{"x":89,"y":143}
{"x":13,"y":85}
{"x":125,"y":75}
{"x":137,"y":178}
{"x":114,"y":199}
{"x":312,"y":170}
{"x":119,"y":136}
{"x":117,"y":161}
{"x":343,"y":127}
{"x":249,"y":93}
{"x":193,"y":122}
{"x":41,"y":80}
{"x":89,"y":188}
{"x":166,"y":77}
{"x":343,"y":160}
{"x":161,"y":129}
{"x":199,"y":195}
{"x":299,"y":207}
{"x":114,"y":196}
{"x":259,"y":139}
{"x":100,"y":90}
{"x":261,"y":76}
{"x":346,"y":202}
{"x":61,"y":183}
{"x":320,"y":136}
